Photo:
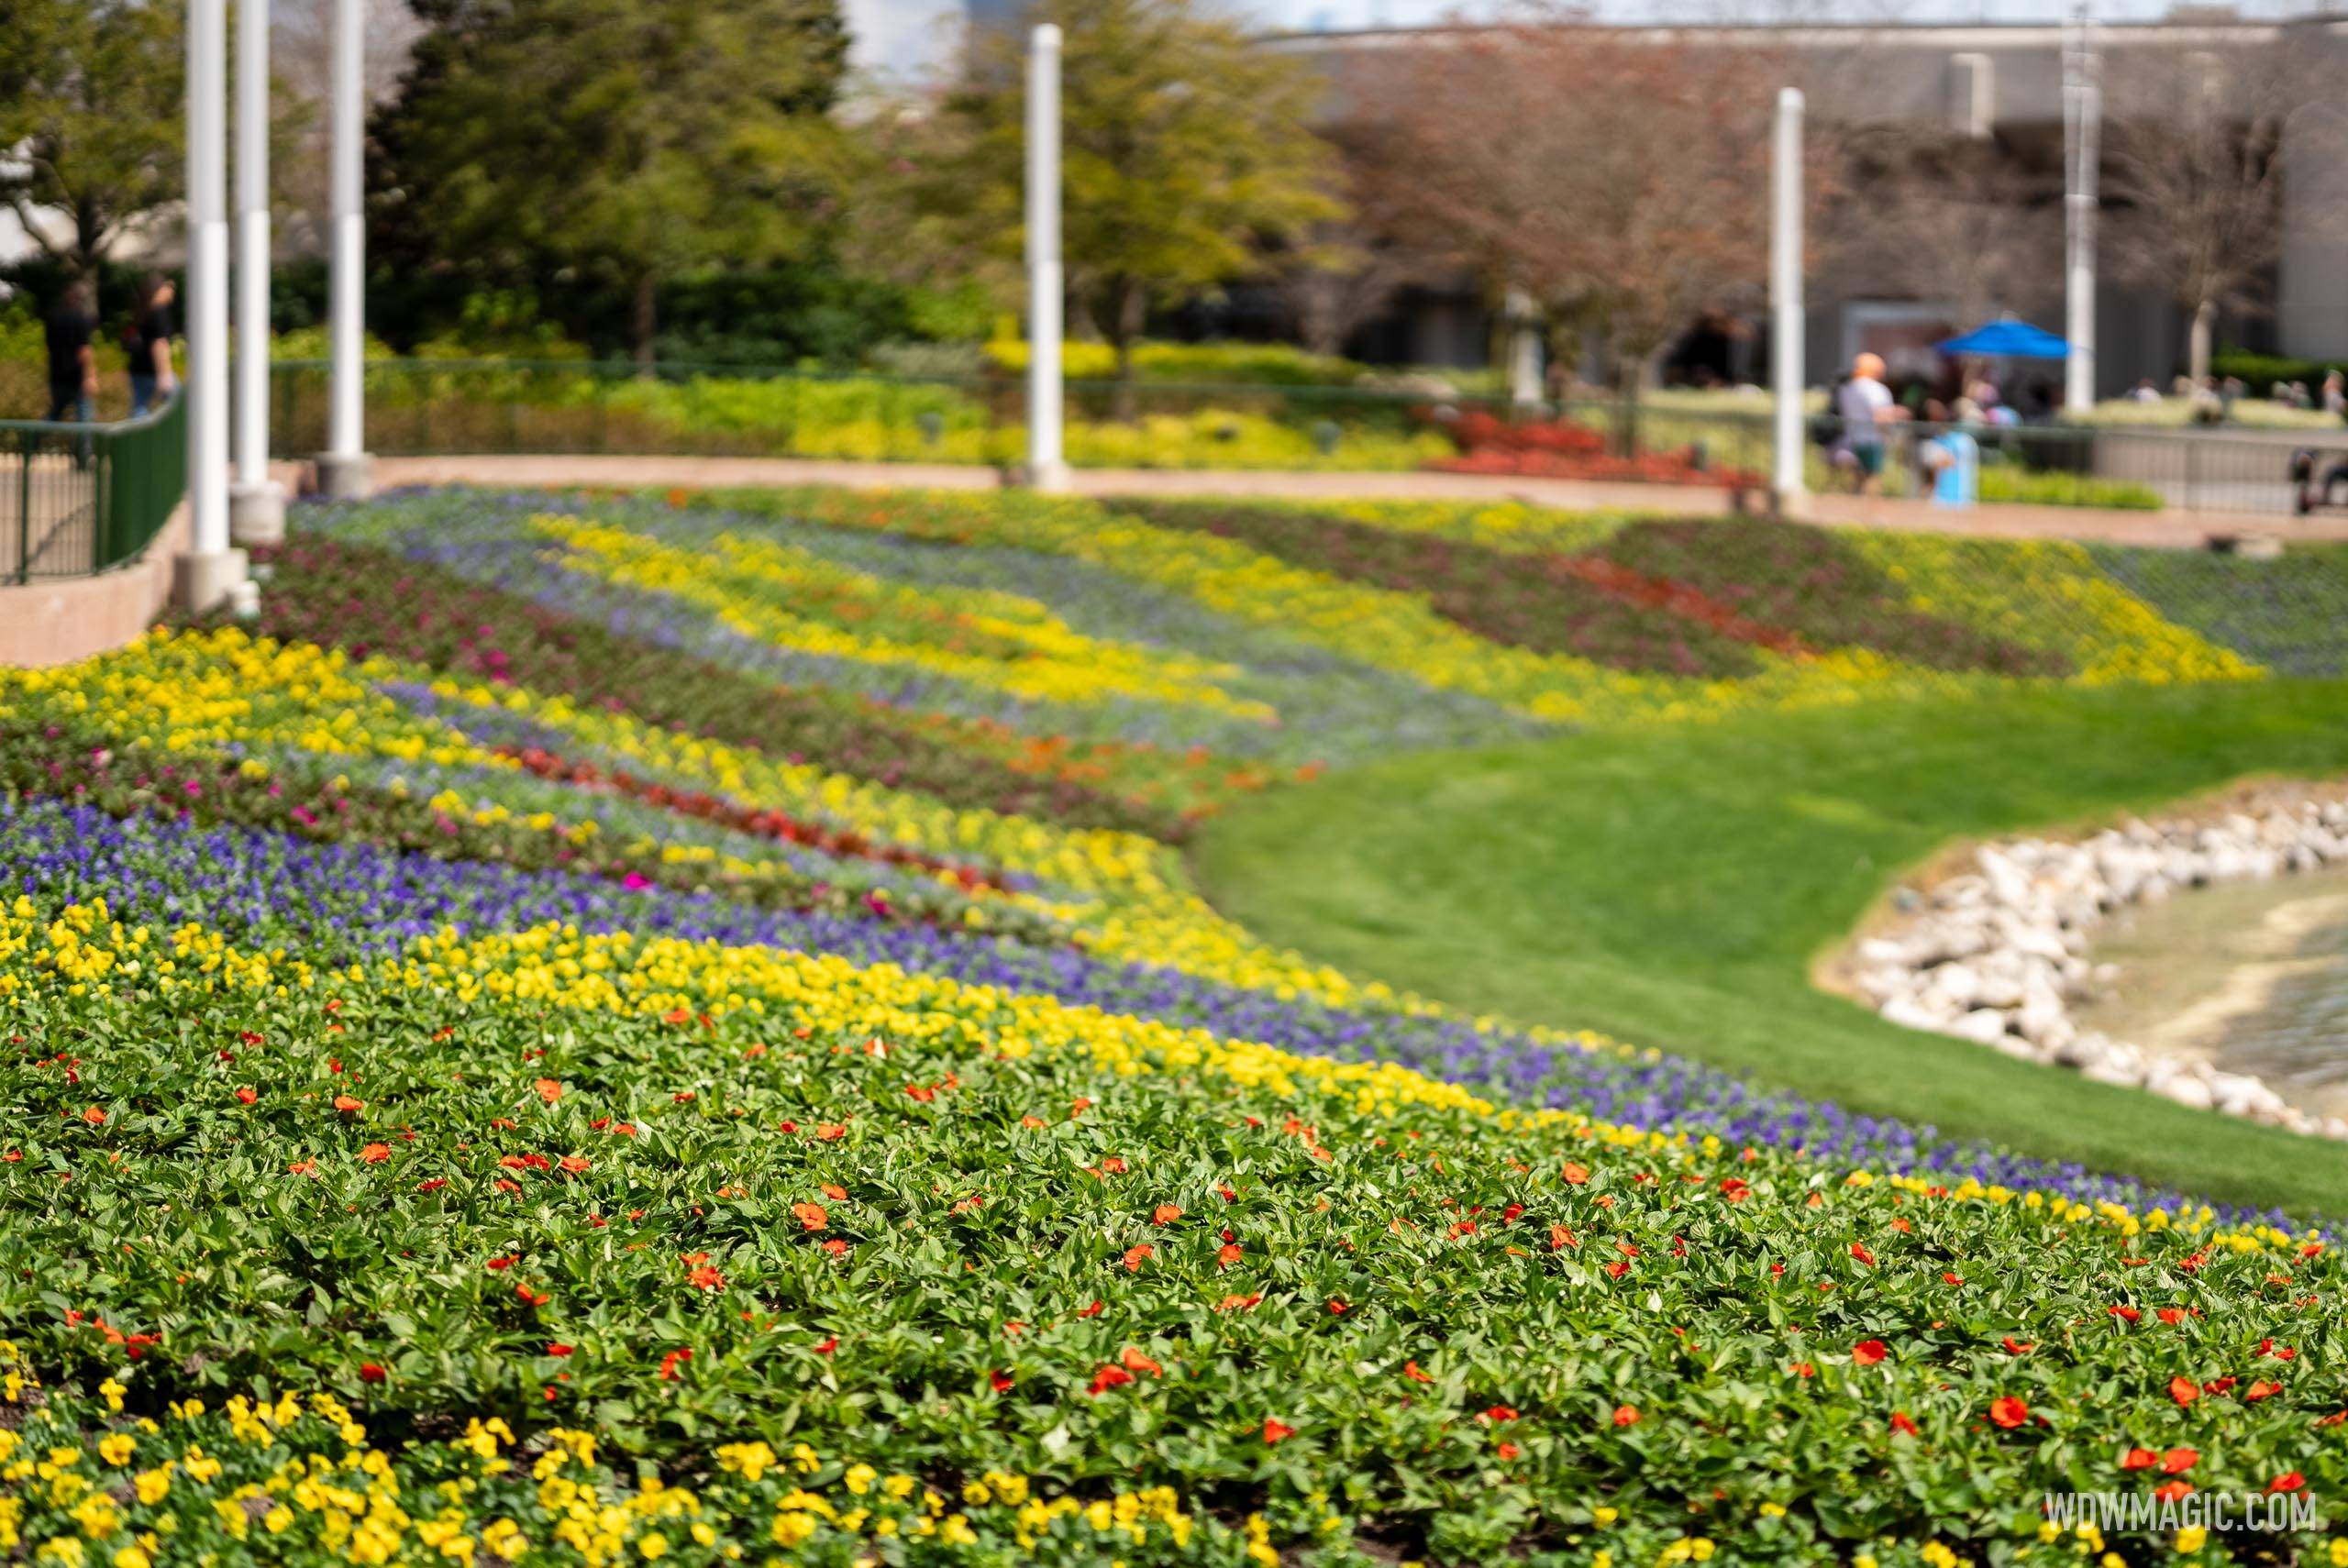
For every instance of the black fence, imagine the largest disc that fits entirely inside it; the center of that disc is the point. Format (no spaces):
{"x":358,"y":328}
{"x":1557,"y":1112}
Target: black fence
{"x":80,"y":498}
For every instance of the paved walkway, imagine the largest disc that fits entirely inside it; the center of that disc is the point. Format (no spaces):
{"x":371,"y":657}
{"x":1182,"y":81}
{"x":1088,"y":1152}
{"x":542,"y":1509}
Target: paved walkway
{"x":2172,"y":529}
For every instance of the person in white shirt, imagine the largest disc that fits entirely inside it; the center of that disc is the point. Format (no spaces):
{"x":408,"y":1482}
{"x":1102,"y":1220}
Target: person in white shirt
{"x":1866,"y":406}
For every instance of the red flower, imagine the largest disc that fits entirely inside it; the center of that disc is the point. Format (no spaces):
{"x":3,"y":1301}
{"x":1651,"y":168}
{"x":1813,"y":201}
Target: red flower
{"x":670,"y":1362}
{"x":501,"y":1261}
{"x":2262,"y":1390}
{"x":2290,"y":1481}
{"x":1861,"y":1254}
{"x":1166,"y":1214}
{"x":1953,"y":1279}
{"x":2009,"y":1411}
{"x":370,"y":1373}
{"x":1626,"y":1415}
{"x":1508,"y":1451}
{"x":248,"y":1095}
{"x":1229,"y":1255}
{"x":2169,"y":1315}
{"x":810,"y":1216}
{"x":1499,"y":1413}
{"x":1336,"y":1309}
{"x":1109,"y":1377}
{"x":559,"y":1349}
{"x":2175,"y":1491}
{"x":2139,"y":1459}
{"x":375,"y":1154}
{"x":2183,"y":1390}
{"x":1901,"y":1424}
{"x":825,"y":1347}
{"x":94,"y":1117}
{"x":1136,"y":1257}
{"x":1002,"y":1381}
{"x":1866,"y":1353}
{"x":1275,"y":1430}
{"x":1575,"y":1174}
{"x":2177,"y":1461}
{"x":1804,"y":1369}
{"x":2017,"y":1347}
{"x":1411,"y":1370}
{"x":1093,"y":1311}
{"x":837,"y":1247}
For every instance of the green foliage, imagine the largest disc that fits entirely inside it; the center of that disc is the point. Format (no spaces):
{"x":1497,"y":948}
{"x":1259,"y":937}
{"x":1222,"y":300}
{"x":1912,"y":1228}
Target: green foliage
{"x":2055,"y":487}
{"x":2261,"y":371}
{"x":1197,"y":364}
{"x":661,"y":134}
{"x":90,"y":112}
{"x":1184,"y":147}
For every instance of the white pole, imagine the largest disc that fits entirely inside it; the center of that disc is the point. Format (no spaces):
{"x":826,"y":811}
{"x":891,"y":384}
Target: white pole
{"x":1045,"y":295}
{"x":206,"y":387}
{"x":2082,"y":115}
{"x":256,"y":506}
{"x":1787,"y":325}
{"x":1523,"y":349}
{"x":343,"y":467}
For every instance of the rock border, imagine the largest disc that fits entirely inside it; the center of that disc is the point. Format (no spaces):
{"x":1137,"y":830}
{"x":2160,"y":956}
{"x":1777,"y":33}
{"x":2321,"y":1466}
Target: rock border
{"x":1995,"y":949}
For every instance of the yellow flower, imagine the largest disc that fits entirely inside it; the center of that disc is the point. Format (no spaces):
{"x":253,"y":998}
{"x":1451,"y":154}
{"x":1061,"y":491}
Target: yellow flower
{"x":115,"y":1448}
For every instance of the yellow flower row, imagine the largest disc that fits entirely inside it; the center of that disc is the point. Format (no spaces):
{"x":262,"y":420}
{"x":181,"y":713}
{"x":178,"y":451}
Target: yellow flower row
{"x":749,"y":585}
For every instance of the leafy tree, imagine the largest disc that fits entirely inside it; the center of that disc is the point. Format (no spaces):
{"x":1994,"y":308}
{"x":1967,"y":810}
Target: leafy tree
{"x":1618,"y":176}
{"x":627,"y":140}
{"x":1185,"y":148}
{"x":91,"y":116}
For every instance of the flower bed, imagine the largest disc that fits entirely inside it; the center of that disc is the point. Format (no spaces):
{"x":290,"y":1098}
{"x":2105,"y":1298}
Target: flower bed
{"x":1561,"y":448}
{"x":499,"y":1070}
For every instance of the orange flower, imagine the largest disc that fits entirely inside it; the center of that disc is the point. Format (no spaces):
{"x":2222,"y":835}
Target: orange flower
{"x":550,"y":1090}
{"x":1276,"y":1429}
{"x":574,"y":1163}
{"x":1507,"y":1450}
{"x":706,"y":1276}
{"x":1575,"y":1174}
{"x":2139,"y":1459}
{"x":1167,"y":1213}
{"x":1861,"y":1254}
{"x":1902,"y":1425}
{"x":810,"y":1216}
{"x":248,"y":1096}
{"x":2183,"y":1390}
{"x":1560,"y":1238}
{"x":1109,"y":1377}
{"x":1237,"y":1303}
{"x":2175,"y":1491}
{"x":94,"y":1117}
{"x":1230,"y":1254}
{"x":2009,"y":1411}
{"x":838,"y":1194}
{"x":831,"y":1132}
{"x":1626,"y":1415}
{"x":1866,"y":1353}
{"x":1134,"y":1361}
{"x":1411,"y":1370}
{"x":2177,"y":1461}
{"x":375,"y":1154}
{"x":348,"y":1103}
{"x":1135,"y":1256}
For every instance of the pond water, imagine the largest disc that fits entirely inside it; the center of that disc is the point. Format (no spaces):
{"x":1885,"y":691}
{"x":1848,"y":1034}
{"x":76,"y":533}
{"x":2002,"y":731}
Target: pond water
{"x":2251,"y":975}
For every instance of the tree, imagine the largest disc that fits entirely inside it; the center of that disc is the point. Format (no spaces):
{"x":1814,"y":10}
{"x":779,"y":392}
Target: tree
{"x":1954,"y":220}
{"x":1618,"y":176}
{"x":629,"y":139}
{"x":300,"y":55}
{"x":90,"y":119}
{"x":2194,"y":150}
{"x":1185,"y":150}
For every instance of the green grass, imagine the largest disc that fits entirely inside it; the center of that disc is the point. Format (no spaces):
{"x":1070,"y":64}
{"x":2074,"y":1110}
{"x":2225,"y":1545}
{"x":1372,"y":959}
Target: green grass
{"x":1672,"y":887}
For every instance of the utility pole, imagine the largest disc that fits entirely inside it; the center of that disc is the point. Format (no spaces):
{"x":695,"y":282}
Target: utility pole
{"x":255,"y":504}
{"x":1046,"y":470}
{"x":345,"y":470}
{"x":1786,"y":319}
{"x":2082,"y":153}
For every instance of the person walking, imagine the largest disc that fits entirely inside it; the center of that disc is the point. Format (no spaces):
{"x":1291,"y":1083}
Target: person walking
{"x":149,"y":341}
{"x":72,"y":327}
{"x":1867,"y":409}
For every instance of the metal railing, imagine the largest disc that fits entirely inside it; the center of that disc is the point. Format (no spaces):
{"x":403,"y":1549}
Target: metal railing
{"x":76,"y":499}
{"x":466,"y":407}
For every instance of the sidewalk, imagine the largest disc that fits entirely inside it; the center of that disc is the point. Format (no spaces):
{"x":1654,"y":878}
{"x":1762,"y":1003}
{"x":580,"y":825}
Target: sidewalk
{"x":2191,"y":530}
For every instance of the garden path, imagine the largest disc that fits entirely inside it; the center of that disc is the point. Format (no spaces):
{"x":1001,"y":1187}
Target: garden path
{"x":2174,"y":529}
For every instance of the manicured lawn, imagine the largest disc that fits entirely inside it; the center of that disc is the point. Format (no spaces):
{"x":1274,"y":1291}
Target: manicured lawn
{"x":1672,"y":886}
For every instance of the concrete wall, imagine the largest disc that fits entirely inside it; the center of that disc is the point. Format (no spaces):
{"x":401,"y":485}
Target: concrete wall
{"x":72,"y":618}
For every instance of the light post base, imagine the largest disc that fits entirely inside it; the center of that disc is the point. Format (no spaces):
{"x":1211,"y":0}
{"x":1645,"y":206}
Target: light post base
{"x":1786,"y":501}
{"x":346,"y":476}
{"x":256,"y":513}
{"x":1047,"y":479}
{"x":214,"y":580}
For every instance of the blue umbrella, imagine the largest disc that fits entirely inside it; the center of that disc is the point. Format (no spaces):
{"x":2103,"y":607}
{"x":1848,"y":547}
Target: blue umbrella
{"x":2008,"y":341}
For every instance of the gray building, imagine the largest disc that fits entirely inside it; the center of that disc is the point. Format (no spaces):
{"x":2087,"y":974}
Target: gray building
{"x":1998,"y":84}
